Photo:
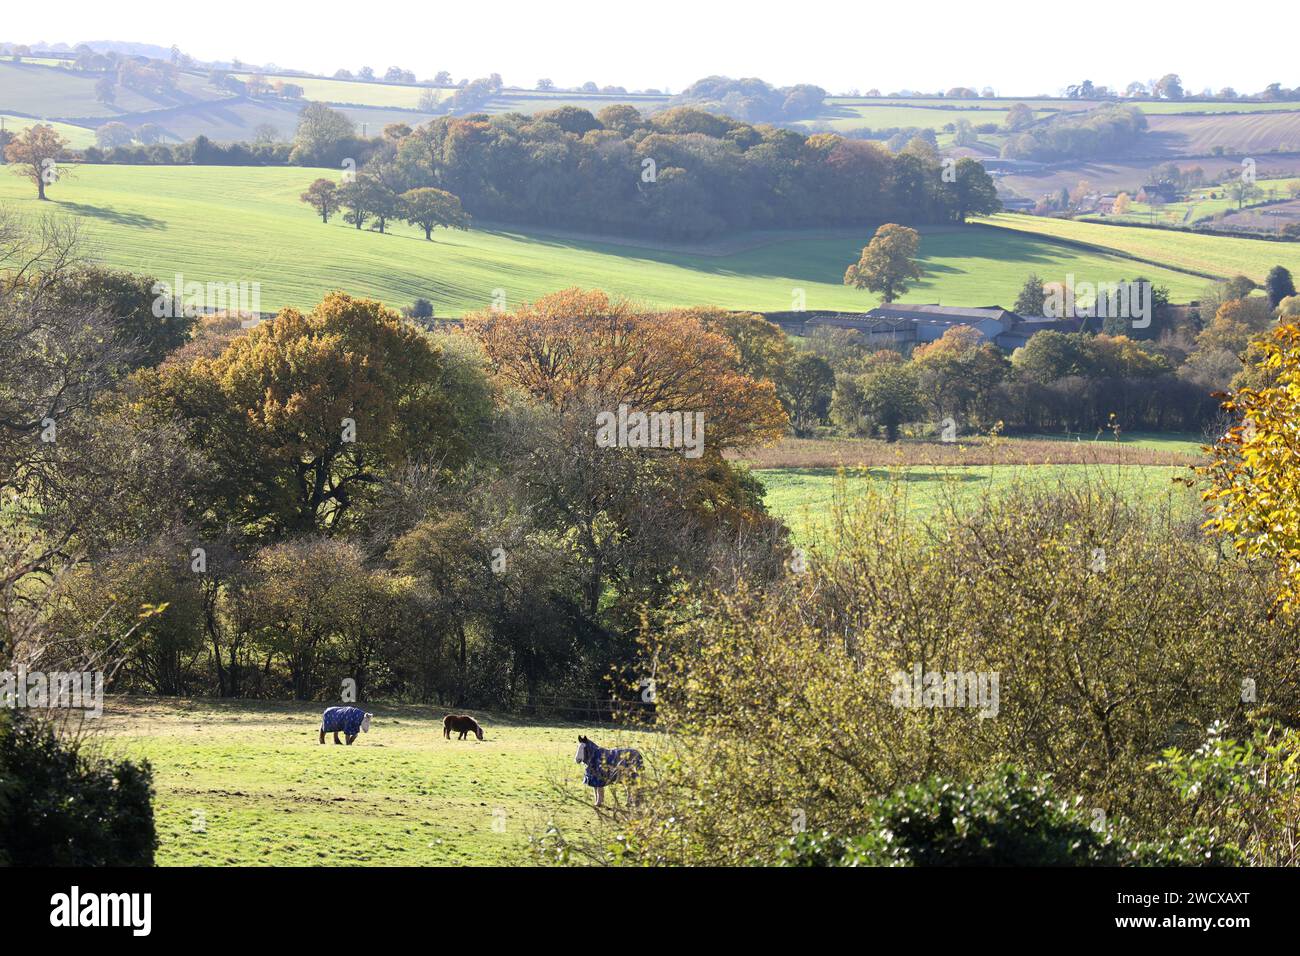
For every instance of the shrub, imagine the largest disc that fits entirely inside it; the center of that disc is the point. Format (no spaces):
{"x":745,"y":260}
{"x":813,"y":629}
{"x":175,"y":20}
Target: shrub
{"x":1009,"y":818}
{"x":1114,"y":629}
{"x":60,"y":806}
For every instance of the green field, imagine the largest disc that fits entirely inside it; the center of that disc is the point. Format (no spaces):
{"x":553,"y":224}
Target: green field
{"x":247,"y":783}
{"x":804,"y":498}
{"x":199,"y":220}
{"x":1213,"y":255}
{"x":78,"y":137}
{"x":1197,"y":206}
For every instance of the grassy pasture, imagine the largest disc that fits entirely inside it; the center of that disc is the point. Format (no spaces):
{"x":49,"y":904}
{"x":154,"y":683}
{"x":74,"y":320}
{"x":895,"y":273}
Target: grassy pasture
{"x":805,"y":497}
{"x":57,"y":92}
{"x":1198,"y":206}
{"x":1213,"y":255}
{"x":246,"y":783}
{"x":804,"y":478}
{"x":79,"y":137}
{"x":198,"y":220}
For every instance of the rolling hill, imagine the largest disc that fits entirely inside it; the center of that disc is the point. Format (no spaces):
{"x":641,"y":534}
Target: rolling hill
{"x":198,"y":220}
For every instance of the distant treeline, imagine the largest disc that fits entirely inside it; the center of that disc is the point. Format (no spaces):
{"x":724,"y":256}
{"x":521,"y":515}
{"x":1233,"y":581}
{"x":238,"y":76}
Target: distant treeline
{"x":679,"y":173}
{"x":1107,"y":131}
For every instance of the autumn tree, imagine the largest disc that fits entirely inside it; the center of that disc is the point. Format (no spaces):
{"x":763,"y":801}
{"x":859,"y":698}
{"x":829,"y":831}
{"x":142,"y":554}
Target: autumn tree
{"x":1254,"y":497}
{"x":323,"y":196}
{"x":428,"y":208}
{"x":33,"y":153}
{"x":888,"y":263}
{"x":304,"y":415}
{"x":578,"y":342}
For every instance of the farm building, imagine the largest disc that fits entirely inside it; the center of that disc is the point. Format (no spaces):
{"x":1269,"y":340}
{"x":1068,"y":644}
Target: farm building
{"x":903,"y":326}
{"x":1158,"y":193}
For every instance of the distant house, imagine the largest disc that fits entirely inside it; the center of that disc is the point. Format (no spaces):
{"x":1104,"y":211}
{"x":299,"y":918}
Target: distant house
{"x":1106,"y":203}
{"x":1157,"y":193}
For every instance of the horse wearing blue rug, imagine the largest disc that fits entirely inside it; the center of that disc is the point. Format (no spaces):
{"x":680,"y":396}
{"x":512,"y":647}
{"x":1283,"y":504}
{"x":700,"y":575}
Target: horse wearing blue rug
{"x":350,"y":720}
{"x":607,"y":766}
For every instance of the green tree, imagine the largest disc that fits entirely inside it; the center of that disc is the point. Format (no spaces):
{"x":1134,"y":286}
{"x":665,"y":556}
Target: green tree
{"x":428,"y":208}
{"x":1032,"y":299}
{"x":1279,"y":285}
{"x":809,"y":386}
{"x":890,"y":397}
{"x":322,"y":137}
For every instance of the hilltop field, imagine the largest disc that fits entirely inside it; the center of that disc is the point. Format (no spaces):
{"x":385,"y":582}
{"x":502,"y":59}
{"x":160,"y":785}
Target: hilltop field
{"x":198,"y":221}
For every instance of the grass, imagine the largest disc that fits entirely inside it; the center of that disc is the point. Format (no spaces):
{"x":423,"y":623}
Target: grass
{"x":804,"y":497}
{"x":1218,"y":256}
{"x":199,"y":220}
{"x":246,"y":783}
{"x":1198,"y":206}
{"x":78,"y":137}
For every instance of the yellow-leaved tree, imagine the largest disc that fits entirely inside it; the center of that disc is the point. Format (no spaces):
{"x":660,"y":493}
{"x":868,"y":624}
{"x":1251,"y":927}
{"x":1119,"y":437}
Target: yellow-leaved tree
{"x":1254,"y":497}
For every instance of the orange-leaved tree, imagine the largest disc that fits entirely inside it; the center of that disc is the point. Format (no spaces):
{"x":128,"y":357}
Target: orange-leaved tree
{"x":578,"y":343}
{"x":33,"y":154}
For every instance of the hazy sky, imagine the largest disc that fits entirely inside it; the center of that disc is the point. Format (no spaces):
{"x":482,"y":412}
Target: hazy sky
{"x":927,"y":45}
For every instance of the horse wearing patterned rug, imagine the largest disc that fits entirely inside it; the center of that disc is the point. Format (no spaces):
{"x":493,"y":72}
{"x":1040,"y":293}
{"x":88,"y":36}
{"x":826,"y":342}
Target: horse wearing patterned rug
{"x":621,"y":764}
{"x":350,"y":720}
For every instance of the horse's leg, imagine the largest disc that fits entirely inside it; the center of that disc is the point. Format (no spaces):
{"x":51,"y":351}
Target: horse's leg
{"x":600,"y":796}
{"x":336,"y":737}
{"x":322,"y":734}
{"x":350,"y":738}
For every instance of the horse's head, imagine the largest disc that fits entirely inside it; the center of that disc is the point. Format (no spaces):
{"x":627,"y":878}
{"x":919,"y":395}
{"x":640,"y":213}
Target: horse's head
{"x":478,"y":731}
{"x":365,"y":723}
{"x":585,"y":749}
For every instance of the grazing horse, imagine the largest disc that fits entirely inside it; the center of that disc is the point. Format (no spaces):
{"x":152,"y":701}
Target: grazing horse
{"x":607,"y":766}
{"x":462,"y":724}
{"x":351,"y":720}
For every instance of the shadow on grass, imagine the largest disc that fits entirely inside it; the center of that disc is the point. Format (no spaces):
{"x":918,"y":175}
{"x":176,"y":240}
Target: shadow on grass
{"x":114,"y":216}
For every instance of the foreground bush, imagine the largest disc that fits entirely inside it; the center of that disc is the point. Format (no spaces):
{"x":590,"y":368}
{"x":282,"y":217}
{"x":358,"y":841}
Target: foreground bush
{"x":1097,"y":631}
{"x":59,"y":806}
{"x":1009,"y":819}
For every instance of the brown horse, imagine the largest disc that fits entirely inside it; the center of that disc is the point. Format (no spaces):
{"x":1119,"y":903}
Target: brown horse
{"x":462,"y":724}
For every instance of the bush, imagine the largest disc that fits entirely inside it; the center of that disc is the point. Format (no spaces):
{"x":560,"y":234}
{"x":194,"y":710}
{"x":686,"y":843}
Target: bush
{"x":1101,"y":626}
{"x":60,"y":806}
{"x":1009,"y":818}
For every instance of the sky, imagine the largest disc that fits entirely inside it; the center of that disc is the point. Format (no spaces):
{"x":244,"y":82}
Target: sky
{"x":930,"y":45}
